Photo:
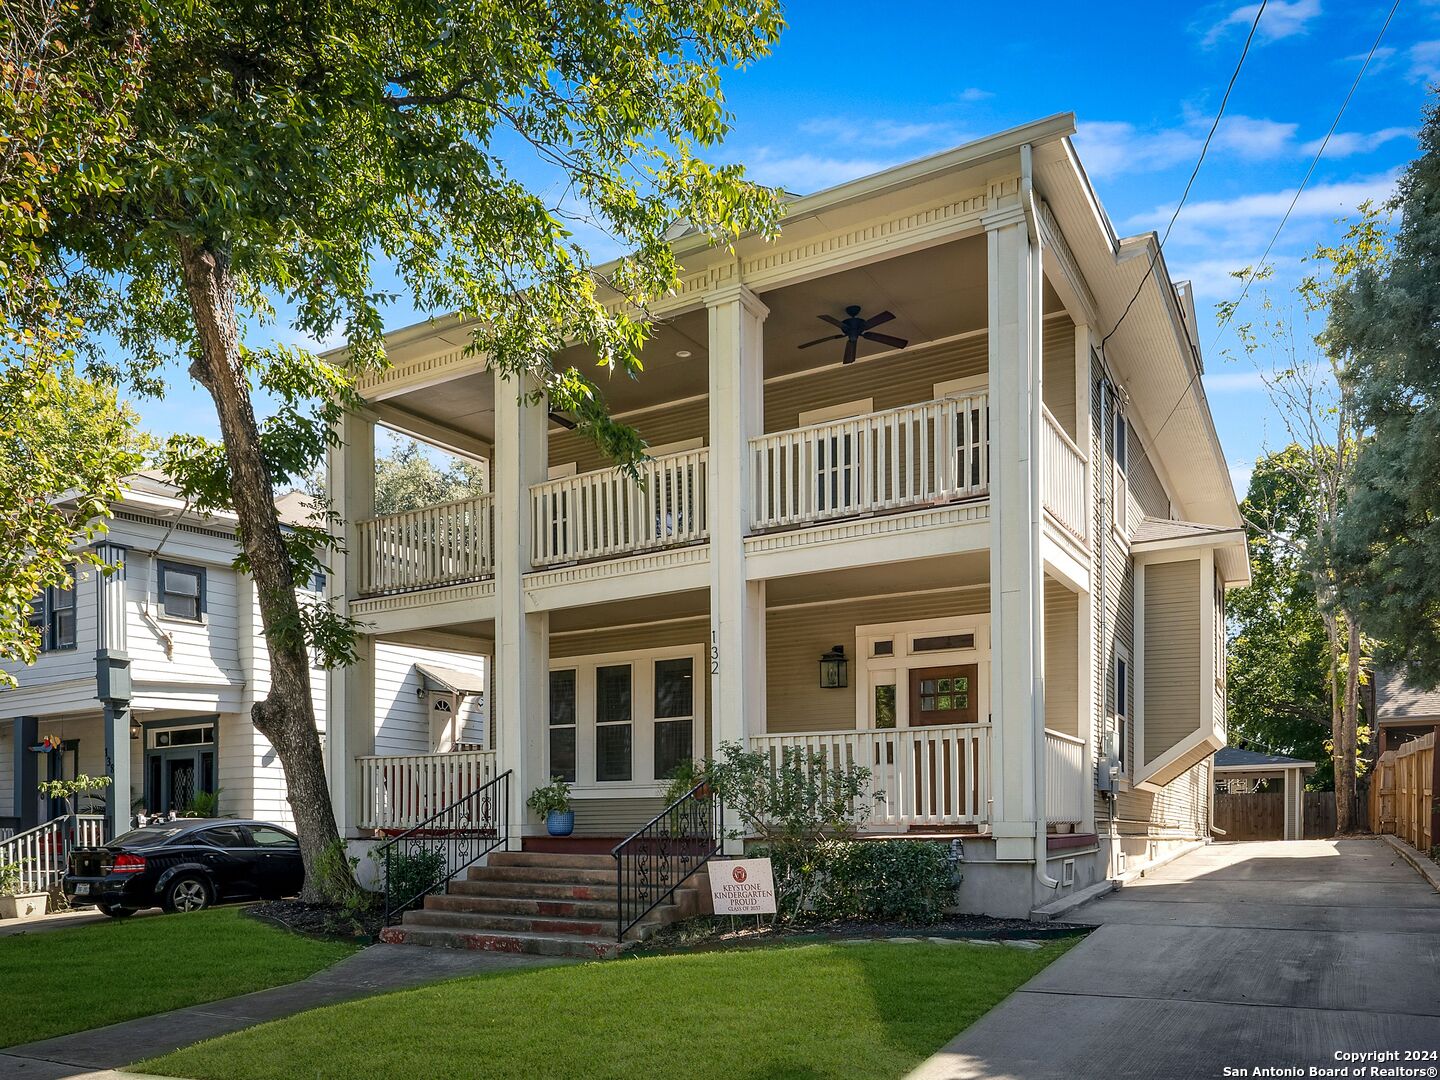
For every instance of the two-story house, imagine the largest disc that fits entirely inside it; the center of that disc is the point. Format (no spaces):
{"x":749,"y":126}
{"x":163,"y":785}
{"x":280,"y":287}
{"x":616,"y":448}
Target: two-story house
{"x":978,"y":543}
{"x":148,"y":674}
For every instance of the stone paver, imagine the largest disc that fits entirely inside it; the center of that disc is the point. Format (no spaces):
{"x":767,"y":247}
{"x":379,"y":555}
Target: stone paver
{"x":1237,"y":955}
{"x":377,"y":969}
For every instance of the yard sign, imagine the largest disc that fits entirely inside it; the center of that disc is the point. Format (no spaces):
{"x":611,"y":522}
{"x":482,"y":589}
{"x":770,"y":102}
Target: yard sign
{"x":743,"y":887}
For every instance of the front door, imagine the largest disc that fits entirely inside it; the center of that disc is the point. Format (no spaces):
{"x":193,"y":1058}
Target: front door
{"x":944,"y":695}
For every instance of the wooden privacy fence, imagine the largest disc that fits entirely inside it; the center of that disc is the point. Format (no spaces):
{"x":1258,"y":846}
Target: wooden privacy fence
{"x":1402,"y":793}
{"x":1261,"y":815}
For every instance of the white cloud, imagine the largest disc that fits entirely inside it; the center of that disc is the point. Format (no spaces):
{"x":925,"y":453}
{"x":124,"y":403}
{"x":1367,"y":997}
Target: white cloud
{"x":1280,"y":20}
{"x":1321,"y":200}
{"x":1347,"y":143}
{"x":1110,"y":147}
{"x":1424,"y":57}
{"x":853,"y":131}
{"x":974,"y":93}
{"x":806,"y":173}
{"x":1233,"y":382}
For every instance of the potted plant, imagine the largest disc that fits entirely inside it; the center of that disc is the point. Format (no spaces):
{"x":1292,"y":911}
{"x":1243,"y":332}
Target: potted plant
{"x":552,"y":802}
{"x":15,"y":904}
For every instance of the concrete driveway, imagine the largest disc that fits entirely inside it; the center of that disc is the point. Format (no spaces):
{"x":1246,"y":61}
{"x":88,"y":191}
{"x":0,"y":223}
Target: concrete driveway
{"x":1246,"y":956}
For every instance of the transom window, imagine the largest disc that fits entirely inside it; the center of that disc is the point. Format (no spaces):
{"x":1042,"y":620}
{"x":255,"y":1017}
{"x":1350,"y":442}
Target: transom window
{"x":182,"y":591}
{"x":943,"y":642}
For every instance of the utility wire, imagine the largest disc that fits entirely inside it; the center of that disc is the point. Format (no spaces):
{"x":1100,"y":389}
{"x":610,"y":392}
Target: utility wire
{"x":1255,"y":271}
{"x":1234,"y":75}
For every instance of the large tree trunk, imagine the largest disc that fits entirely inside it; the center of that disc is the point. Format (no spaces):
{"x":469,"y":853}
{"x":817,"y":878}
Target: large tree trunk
{"x":1347,"y":736}
{"x":286,"y":716}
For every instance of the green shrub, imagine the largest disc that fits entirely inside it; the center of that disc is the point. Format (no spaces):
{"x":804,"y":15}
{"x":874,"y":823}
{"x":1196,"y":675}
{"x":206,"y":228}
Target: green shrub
{"x":409,"y":874}
{"x":905,"y":881}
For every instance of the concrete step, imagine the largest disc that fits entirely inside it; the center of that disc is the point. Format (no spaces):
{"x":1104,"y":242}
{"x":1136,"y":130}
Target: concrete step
{"x":522,"y":905}
{"x":553,"y":859}
{"x":534,"y":944}
{"x":535,"y":890}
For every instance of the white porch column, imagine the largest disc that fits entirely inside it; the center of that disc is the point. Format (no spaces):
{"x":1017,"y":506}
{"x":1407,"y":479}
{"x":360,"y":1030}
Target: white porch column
{"x":737,"y":606}
{"x":520,"y":705}
{"x":112,"y":685}
{"x":1016,"y":698}
{"x":350,"y":691}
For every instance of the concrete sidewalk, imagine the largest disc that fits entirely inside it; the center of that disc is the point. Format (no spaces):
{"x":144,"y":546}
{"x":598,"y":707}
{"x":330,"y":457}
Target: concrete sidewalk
{"x":375,"y":970}
{"x":1240,"y":955}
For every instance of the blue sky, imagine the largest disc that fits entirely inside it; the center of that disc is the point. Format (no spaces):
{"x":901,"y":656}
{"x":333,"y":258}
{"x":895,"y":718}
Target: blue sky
{"x":855,"y":87}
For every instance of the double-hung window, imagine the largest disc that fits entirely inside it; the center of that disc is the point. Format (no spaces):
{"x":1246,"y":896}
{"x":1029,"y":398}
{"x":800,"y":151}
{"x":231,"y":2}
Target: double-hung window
{"x":674,"y":714}
{"x":52,"y":616}
{"x":614,"y":730}
{"x":182,"y":591}
{"x":1122,"y":711}
{"x":1120,"y":456}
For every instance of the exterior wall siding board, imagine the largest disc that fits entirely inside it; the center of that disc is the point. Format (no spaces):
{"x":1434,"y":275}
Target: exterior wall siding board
{"x":1062,"y":672}
{"x":1172,"y":654}
{"x":658,"y":426}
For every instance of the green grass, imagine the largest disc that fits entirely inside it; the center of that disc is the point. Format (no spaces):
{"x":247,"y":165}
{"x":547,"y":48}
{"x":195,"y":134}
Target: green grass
{"x":61,"y":981}
{"x":806,"y":1012}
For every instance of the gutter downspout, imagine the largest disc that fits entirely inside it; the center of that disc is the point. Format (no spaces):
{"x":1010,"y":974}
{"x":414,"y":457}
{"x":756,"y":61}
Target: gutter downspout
{"x":1105,"y":498}
{"x":1037,"y":571}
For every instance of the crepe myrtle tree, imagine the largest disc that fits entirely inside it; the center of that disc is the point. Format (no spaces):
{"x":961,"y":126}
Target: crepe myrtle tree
{"x":279,"y":152}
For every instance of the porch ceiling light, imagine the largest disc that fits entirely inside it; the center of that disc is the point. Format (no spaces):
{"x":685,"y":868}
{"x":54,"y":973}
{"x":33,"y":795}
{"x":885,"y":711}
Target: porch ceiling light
{"x":134,"y":729}
{"x":834,"y":669}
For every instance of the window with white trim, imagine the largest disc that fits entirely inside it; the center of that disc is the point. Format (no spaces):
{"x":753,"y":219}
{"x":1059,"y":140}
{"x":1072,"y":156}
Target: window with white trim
{"x":562,"y":724}
{"x":614,"y":730}
{"x":1122,"y":710}
{"x":674,"y":714}
{"x":52,"y":617}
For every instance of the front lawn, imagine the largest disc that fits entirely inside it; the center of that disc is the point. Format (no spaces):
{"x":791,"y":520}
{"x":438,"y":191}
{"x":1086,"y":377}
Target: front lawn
{"x":812,"y":1011}
{"x":71,"y":980}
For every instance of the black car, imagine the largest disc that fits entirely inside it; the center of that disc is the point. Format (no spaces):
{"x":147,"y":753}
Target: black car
{"x":186,"y":865}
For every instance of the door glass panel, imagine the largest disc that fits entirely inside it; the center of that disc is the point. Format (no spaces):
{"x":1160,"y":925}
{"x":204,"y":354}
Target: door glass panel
{"x":885,"y":706}
{"x":181,"y":776}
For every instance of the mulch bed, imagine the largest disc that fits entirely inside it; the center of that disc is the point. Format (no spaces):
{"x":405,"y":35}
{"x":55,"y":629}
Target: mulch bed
{"x":722,"y":932}
{"x":319,"y":920}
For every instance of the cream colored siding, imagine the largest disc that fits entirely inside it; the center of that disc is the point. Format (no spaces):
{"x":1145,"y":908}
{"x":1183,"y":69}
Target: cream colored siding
{"x":1062,"y":670}
{"x":1172,"y":654}
{"x":658,"y":426}
{"x":795,"y":638}
{"x":1058,"y":372}
{"x":614,"y":817}
{"x":1147,"y":493}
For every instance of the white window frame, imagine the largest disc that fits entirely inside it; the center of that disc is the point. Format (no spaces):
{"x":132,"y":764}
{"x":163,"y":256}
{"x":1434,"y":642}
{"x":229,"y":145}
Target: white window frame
{"x":574,"y":725}
{"x":165,"y":566}
{"x":1120,"y":473}
{"x":642,"y":783}
{"x":679,"y":446}
{"x":1122,"y":720}
{"x":876,"y":671}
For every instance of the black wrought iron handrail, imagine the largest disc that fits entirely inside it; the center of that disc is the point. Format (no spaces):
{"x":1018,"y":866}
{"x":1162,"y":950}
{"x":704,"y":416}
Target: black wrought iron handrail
{"x":422,"y":859}
{"x":661,"y":855}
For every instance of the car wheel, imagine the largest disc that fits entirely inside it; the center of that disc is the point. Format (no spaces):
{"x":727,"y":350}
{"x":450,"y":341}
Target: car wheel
{"x":187,"y":893}
{"x":115,"y":912}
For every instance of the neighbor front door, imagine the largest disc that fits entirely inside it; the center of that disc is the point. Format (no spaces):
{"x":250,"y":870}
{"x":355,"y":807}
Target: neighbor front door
{"x":945,"y":695}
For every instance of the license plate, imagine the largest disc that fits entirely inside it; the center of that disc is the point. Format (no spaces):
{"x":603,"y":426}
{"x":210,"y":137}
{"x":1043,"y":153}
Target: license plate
{"x":82,"y":888}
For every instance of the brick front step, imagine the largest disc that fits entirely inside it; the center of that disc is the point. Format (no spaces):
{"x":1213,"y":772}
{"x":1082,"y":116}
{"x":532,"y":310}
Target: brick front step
{"x":569,"y":875}
{"x":578,"y":861}
{"x":535,"y":890}
{"x":522,"y":905}
{"x":533,"y":944}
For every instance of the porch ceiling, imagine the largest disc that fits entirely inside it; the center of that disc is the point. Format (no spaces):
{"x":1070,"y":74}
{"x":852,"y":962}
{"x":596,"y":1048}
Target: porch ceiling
{"x":917,"y":575}
{"x":693,"y":604}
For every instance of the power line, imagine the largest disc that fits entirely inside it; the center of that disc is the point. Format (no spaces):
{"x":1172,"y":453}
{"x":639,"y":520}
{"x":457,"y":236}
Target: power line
{"x":1234,"y":75}
{"x":1260,"y":266}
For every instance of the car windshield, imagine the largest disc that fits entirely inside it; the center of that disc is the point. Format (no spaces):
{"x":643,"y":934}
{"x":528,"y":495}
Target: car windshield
{"x":148,"y":837}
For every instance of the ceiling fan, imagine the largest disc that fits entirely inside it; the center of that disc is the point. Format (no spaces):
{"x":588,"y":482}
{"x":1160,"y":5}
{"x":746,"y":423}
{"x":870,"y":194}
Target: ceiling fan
{"x":853,"y":328}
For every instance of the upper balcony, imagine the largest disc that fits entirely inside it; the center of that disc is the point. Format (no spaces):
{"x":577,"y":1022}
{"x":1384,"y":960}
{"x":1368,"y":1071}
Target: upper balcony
{"x":895,"y":441}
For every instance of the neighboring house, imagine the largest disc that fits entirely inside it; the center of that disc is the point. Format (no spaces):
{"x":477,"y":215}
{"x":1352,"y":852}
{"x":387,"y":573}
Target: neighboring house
{"x":1401,"y":712}
{"x":988,"y":563}
{"x":148,"y":675}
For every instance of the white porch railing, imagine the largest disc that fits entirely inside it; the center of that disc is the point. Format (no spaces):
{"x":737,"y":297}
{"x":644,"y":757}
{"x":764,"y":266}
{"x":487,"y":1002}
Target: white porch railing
{"x":930,"y":452}
{"x":399,"y":791}
{"x":435,"y":545}
{"x":43,"y":853}
{"x":929,"y":775}
{"x":1063,"y":477}
{"x":1066,"y":779}
{"x":600,"y":514}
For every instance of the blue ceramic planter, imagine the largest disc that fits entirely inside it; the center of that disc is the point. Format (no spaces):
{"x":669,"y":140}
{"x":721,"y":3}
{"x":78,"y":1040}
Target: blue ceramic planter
{"x":560,"y":822}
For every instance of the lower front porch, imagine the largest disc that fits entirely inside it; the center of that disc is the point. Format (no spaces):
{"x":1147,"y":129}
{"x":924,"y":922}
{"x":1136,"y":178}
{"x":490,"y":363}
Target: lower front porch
{"x":888,"y":668}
